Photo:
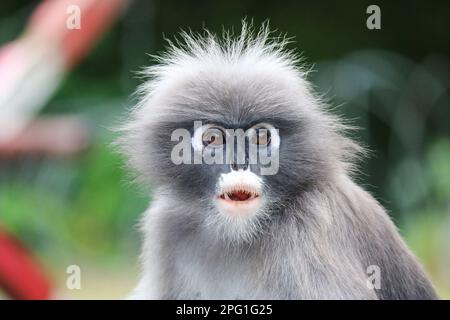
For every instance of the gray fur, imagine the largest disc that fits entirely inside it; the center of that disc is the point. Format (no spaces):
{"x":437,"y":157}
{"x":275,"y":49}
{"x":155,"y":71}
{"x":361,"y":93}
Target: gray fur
{"x":320,"y":231}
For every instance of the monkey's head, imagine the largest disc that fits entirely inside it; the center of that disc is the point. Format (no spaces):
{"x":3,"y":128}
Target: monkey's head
{"x":231,"y":129}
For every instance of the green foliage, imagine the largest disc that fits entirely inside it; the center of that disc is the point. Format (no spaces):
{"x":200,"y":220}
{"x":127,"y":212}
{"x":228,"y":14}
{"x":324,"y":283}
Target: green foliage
{"x":79,"y":207}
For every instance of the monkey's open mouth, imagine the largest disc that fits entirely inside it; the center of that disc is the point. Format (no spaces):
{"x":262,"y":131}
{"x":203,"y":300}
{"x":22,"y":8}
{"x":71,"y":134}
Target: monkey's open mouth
{"x":239,"y":194}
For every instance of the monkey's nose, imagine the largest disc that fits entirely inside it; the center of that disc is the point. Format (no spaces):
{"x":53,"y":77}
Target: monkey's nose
{"x":236,"y":167}
{"x":240,"y":158}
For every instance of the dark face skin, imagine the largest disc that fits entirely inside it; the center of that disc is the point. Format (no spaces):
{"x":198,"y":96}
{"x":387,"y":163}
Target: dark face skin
{"x":300,"y":163}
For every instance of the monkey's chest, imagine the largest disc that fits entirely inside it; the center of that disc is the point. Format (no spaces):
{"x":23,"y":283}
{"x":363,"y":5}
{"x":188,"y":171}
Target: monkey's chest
{"x":219,"y":279}
{"x":202,"y":277}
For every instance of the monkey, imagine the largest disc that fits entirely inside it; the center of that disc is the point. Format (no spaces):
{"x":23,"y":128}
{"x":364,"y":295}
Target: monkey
{"x":304,"y":229}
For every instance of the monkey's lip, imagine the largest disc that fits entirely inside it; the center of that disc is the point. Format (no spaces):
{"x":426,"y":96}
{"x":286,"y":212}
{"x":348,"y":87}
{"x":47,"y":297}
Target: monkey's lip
{"x":239,"y":195}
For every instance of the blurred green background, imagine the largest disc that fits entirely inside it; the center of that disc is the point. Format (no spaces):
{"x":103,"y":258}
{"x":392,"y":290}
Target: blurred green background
{"x":393,"y":83}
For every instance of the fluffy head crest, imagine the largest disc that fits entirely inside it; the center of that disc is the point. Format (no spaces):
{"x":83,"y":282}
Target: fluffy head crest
{"x":191,"y":53}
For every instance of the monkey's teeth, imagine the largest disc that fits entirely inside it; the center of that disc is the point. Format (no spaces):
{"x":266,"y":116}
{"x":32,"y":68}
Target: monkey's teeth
{"x":239,"y":193}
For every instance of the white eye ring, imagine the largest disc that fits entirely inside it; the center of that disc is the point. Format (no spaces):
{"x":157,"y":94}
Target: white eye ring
{"x":274,"y":135}
{"x":197,"y":139}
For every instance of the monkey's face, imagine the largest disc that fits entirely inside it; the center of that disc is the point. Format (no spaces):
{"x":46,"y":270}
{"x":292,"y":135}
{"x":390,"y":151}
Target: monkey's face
{"x":233,"y":148}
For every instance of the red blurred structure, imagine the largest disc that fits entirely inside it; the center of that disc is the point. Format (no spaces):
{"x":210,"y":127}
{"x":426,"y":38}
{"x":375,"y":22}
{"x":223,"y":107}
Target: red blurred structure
{"x":21,"y":276}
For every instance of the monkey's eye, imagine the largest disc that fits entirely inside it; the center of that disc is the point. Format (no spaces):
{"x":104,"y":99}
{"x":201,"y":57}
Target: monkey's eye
{"x":213,"y":136}
{"x":261,"y":137}
{"x":208,"y":135}
{"x":263,"y":134}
